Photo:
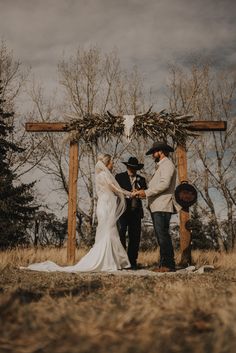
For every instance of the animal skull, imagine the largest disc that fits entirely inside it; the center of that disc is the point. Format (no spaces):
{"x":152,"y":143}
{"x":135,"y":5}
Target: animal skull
{"x":128,"y":126}
{"x":129,"y":122}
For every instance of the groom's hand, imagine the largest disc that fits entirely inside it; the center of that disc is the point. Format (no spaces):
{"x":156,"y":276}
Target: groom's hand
{"x":141,"y":193}
{"x":138,"y":193}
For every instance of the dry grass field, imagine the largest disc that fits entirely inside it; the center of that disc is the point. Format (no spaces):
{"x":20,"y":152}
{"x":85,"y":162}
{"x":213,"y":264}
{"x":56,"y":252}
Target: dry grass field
{"x":73,"y":313}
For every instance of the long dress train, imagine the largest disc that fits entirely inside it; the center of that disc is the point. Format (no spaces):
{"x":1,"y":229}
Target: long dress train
{"x":107,"y":253}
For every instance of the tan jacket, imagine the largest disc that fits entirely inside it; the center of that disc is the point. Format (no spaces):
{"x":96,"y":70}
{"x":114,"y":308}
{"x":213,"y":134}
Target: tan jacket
{"x":160,"y":193}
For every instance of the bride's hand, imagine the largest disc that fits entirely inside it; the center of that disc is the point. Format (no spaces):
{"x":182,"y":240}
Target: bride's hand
{"x":132,"y":194}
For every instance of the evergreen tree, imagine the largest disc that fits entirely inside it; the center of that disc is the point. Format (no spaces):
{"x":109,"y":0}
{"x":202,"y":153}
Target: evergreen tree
{"x":16,"y":208}
{"x":202,"y":234}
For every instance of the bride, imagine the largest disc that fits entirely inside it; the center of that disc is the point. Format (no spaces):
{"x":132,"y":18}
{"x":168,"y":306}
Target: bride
{"x":107,"y":254}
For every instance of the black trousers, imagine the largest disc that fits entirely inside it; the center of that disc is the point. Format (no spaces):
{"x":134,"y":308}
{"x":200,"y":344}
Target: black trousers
{"x":131,"y":221}
{"x":161,"y":223}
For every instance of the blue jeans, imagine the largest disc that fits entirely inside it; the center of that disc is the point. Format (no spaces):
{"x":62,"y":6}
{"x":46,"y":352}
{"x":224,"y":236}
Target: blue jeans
{"x":161,"y":223}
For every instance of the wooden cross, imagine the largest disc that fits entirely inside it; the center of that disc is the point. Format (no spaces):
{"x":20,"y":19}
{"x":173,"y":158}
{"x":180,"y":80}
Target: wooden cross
{"x":185,"y":235}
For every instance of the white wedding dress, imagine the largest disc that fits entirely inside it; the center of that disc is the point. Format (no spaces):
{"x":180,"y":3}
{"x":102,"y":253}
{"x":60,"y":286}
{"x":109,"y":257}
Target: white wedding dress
{"x":107,"y":254}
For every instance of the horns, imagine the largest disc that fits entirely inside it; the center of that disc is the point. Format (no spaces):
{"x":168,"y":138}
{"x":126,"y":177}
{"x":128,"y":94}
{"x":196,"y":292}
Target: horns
{"x":111,"y":115}
{"x":147,"y":113}
{"x":139,"y":115}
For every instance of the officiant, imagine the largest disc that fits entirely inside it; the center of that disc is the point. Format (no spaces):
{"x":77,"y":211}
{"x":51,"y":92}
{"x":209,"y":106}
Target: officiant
{"x":130,"y":220}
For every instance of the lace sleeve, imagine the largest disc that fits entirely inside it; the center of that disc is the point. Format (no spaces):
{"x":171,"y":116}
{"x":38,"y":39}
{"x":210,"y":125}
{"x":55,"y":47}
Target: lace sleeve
{"x":118,"y":190}
{"x":105,"y":180}
{"x":108,"y":181}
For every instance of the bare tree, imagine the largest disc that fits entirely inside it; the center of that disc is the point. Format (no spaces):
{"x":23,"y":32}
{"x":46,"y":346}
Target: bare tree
{"x":13,"y":78}
{"x":93,"y":83}
{"x":12,"y":74}
{"x":210,"y":95}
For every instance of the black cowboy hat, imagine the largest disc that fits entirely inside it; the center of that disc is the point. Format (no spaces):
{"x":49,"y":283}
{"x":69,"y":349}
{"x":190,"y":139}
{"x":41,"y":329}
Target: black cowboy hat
{"x":133,"y":163}
{"x":159,"y":146}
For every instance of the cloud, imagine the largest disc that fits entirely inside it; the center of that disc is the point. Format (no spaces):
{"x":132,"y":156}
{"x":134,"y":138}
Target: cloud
{"x":149,"y":34}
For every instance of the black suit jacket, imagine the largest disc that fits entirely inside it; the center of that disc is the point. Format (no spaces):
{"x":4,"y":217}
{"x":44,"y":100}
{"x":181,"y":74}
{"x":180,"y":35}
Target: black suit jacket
{"x":140,"y":183}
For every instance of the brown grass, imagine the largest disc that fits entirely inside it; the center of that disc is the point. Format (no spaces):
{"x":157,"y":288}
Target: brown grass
{"x":23,"y":257}
{"x":68,"y":313}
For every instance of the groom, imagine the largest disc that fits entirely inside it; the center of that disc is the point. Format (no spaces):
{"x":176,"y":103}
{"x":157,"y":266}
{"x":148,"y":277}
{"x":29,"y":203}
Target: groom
{"x":161,"y":202}
{"x":131,"y":219}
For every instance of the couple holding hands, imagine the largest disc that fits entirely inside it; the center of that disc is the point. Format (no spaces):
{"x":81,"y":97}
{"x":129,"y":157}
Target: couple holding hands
{"x":119,"y":209}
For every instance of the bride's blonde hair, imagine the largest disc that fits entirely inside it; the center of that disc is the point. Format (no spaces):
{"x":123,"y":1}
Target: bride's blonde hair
{"x":105,"y":158}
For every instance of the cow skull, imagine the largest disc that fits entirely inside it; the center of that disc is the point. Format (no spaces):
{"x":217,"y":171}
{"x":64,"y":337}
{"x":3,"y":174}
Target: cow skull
{"x":129,"y":122}
{"x":128,"y":126}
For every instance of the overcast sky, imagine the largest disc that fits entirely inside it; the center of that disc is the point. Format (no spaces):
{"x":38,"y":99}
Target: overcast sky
{"x":147,"y":33}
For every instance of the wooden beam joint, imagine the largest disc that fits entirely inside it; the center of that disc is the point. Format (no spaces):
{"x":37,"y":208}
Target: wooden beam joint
{"x":207,"y":125}
{"x":46,"y":127}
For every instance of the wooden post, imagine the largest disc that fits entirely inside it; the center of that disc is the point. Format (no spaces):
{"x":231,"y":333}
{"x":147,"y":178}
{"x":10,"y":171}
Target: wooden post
{"x":185,"y":235}
{"x":73,"y":176}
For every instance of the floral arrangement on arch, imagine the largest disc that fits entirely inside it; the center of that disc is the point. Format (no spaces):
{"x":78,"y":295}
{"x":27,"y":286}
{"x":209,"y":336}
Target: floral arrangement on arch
{"x":91,"y":127}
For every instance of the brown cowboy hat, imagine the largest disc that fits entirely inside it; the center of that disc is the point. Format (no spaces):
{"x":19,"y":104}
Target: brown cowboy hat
{"x":159,"y":146}
{"x":185,"y":194}
{"x":133,"y":163}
